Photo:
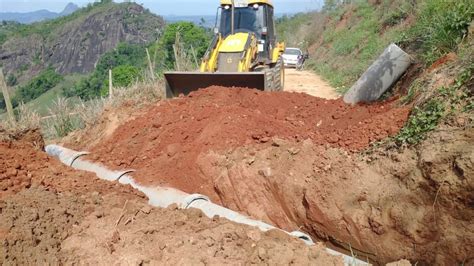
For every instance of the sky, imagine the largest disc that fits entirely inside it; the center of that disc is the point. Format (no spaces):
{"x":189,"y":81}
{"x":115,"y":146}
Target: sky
{"x":161,"y":7}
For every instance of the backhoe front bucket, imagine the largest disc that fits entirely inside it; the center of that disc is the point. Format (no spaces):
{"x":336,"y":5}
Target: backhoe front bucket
{"x":185,"y":82}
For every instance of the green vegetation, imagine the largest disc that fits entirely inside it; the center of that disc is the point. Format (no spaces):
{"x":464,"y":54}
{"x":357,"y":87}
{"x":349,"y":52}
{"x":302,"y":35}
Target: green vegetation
{"x":11,"y":80}
{"x":286,"y":26}
{"x":3,"y":38}
{"x":45,"y":81}
{"x":190,"y":35}
{"x":46,"y":28}
{"x":129,"y":61}
{"x":421,"y":121}
{"x":124,"y":75}
{"x":440,"y":27}
{"x":43,"y":103}
{"x":352,"y":37}
{"x":130,"y":57}
{"x":2,"y":103}
{"x":446,"y":102}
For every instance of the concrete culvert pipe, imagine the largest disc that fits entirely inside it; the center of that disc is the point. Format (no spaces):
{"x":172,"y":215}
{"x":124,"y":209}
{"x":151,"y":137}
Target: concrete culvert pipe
{"x":164,"y":197}
{"x":380,"y":76}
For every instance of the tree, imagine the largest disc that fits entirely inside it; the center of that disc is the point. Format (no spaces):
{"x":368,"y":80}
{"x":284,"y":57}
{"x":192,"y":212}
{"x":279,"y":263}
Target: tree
{"x":45,"y":81}
{"x":124,"y":76}
{"x":190,"y":35}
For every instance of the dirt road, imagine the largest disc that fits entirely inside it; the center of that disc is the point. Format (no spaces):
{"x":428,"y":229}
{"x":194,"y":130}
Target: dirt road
{"x":310,"y":83}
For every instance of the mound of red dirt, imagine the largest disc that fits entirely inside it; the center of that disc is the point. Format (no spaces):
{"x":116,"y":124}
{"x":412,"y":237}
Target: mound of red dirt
{"x":165,"y":142}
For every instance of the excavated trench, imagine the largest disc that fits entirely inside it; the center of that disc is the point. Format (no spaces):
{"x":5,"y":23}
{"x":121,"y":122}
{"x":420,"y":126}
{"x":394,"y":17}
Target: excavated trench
{"x":188,"y":144}
{"x":293,"y":161}
{"x":52,"y":214}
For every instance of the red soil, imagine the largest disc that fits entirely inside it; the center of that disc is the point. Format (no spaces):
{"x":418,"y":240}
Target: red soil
{"x":164,"y":143}
{"x":23,"y":164}
{"x":53,"y":215}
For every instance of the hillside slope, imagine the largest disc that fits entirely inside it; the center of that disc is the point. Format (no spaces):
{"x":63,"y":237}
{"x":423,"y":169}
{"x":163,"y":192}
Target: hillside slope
{"x":74,"y":44}
{"x":344,"y":40}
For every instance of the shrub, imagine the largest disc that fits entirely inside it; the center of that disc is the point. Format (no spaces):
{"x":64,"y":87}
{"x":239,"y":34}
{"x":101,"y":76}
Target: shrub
{"x":124,"y":76}
{"x":37,"y":86}
{"x":11,"y":80}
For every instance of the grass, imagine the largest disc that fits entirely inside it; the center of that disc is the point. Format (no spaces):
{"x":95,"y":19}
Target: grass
{"x":440,"y":27}
{"x":352,"y":39}
{"x":45,"y":101}
{"x":66,"y":115}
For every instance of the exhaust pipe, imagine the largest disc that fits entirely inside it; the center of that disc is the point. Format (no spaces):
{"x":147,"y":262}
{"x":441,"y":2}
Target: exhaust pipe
{"x":164,"y":197}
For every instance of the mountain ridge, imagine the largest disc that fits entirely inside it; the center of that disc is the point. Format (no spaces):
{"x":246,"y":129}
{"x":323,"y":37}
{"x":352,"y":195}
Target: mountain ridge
{"x":38,"y":15}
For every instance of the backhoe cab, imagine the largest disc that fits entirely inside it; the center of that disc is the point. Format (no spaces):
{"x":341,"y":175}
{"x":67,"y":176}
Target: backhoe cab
{"x":243,"y":53}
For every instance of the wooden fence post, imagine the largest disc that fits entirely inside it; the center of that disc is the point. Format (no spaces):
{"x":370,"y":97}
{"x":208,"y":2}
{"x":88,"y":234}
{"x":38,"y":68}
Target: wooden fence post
{"x":6,"y":96}
{"x":150,"y":66}
{"x":111,"y":86}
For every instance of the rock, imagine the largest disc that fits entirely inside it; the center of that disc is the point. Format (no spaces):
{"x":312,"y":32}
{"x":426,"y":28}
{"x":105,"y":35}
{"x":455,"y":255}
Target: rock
{"x":146,"y":209}
{"x":11,"y":173}
{"x":262,"y":253}
{"x":254,"y":235}
{"x":276,"y":142}
{"x":333,"y":139}
{"x":250,"y":160}
{"x":76,"y":45}
{"x":293,"y":151}
{"x":267,"y":172}
{"x":179,"y":223}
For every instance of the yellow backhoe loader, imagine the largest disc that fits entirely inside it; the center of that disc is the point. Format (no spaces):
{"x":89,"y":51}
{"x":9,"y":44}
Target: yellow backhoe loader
{"x":243,"y":53}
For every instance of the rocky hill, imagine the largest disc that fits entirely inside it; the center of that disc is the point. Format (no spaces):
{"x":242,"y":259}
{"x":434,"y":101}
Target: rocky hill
{"x":74,"y":43}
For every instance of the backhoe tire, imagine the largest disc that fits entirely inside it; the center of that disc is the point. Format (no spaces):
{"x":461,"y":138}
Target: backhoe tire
{"x":279,"y":75}
{"x":269,"y":79}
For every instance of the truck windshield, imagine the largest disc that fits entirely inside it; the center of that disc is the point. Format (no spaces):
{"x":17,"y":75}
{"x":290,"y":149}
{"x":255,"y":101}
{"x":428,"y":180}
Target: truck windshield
{"x":246,"y":19}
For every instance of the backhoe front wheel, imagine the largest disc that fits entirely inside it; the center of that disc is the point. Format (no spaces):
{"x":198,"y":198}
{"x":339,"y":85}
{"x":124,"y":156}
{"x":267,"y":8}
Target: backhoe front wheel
{"x":279,"y":75}
{"x":275,"y":77}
